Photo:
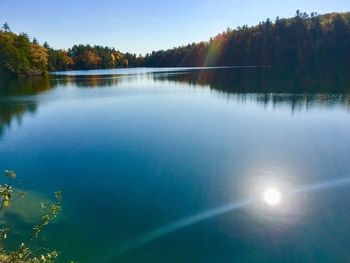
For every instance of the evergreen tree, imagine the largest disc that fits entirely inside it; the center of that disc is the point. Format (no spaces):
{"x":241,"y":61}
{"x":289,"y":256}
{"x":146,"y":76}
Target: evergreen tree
{"x":6,"y":27}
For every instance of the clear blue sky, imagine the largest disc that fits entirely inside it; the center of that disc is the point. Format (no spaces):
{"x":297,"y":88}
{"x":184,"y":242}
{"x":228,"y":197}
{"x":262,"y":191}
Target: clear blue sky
{"x":140,"y":26}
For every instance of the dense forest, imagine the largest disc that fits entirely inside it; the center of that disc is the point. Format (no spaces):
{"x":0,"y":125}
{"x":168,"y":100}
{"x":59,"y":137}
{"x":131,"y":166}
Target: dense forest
{"x":21,"y":56}
{"x":304,"y":40}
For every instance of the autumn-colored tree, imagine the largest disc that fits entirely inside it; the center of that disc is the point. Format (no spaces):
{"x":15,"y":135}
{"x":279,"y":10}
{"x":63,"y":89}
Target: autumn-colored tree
{"x":38,"y":58}
{"x":90,"y":60}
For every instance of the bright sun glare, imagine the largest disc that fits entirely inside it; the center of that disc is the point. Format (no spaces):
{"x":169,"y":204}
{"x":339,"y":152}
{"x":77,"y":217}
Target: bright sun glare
{"x":272,"y":197}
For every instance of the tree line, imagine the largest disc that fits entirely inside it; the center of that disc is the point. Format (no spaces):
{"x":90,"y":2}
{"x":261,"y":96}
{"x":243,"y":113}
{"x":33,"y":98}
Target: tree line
{"x":305,"y":40}
{"x":21,"y":56}
{"x":90,"y":57}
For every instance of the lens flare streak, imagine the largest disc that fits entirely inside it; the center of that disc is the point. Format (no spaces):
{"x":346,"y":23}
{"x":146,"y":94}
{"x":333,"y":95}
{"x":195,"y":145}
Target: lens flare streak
{"x":218,"y":211}
{"x":182,"y":223}
{"x":323,"y":185}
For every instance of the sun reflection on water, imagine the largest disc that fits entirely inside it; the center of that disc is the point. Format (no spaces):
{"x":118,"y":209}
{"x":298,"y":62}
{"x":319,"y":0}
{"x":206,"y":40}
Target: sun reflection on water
{"x":272,"y":196}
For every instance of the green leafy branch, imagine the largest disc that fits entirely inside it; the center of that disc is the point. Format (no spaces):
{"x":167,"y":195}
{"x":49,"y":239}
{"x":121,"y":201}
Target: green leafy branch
{"x":24,"y":254}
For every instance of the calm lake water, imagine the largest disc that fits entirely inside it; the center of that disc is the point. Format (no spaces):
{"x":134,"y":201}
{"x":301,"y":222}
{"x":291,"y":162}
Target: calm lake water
{"x":136,"y":150}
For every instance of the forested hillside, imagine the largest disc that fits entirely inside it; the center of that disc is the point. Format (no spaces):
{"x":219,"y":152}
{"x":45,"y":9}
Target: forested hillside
{"x":20,"y":56}
{"x":304,"y":40}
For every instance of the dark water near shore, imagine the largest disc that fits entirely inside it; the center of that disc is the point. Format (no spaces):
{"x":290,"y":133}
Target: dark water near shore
{"x":134,"y":150}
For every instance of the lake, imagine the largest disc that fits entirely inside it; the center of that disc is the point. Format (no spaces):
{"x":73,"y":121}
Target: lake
{"x":157,"y":165}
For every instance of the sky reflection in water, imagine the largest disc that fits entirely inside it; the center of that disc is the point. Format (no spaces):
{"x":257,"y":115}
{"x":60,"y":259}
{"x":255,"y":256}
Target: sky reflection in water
{"x":143,"y":150}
